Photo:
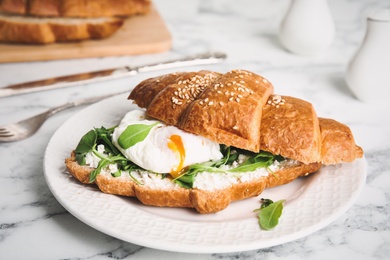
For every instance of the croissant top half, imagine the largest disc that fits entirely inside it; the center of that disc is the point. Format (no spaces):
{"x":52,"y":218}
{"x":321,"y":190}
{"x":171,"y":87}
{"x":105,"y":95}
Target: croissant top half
{"x":239,"y":109}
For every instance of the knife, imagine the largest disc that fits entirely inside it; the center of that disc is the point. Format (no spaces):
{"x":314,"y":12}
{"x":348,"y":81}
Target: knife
{"x":109,"y":74}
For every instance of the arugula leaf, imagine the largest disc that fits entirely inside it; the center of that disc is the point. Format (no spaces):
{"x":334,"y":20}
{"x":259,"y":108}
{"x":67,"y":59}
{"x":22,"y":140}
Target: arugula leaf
{"x":85,"y":145}
{"x":262,"y":159}
{"x":112,"y":155}
{"x":186,"y":181}
{"x":270,"y":213}
{"x":102,"y":163}
{"x":104,"y":137}
{"x":134,"y":134}
{"x":265,"y":203}
{"x":254,"y":161}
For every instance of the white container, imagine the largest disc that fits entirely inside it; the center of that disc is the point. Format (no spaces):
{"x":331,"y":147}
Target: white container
{"x":307,"y":27}
{"x":368,"y":72}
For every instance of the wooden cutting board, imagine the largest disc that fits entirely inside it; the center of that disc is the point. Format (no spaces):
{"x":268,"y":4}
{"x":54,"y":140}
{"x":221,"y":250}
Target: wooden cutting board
{"x":139,"y":35}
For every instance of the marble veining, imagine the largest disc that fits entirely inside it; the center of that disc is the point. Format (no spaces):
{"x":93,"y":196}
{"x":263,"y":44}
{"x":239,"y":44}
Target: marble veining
{"x":33,"y":225}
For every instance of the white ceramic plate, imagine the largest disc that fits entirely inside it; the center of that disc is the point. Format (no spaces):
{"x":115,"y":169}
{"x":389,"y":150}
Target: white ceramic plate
{"x":312,"y":202}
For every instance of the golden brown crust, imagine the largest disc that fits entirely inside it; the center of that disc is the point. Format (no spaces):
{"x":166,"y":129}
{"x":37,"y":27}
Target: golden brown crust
{"x":43,"y":8}
{"x":76,"y":8}
{"x":13,"y":6}
{"x":181,"y":92}
{"x":117,"y":186}
{"x":36,"y":31}
{"x":289,"y":127}
{"x":229,"y":111}
{"x":338,"y":144}
{"x":290,"y":174}
{"x":178,"y":197}
{"x":204,"y":201}
{"x":147,"y":90}
{"x":81,"y":173}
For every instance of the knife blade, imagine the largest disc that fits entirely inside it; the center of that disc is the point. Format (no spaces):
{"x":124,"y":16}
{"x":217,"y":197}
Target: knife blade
{"x":108,"y":74}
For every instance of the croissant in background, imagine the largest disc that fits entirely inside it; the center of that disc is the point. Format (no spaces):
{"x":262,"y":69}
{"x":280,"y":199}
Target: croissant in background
{"x":50,"y":21}
{"x":237,"y":109}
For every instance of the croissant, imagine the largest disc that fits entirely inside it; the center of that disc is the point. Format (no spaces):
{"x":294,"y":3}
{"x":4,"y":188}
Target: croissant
{"x":237,"y":109}
{"x":75,"y":8}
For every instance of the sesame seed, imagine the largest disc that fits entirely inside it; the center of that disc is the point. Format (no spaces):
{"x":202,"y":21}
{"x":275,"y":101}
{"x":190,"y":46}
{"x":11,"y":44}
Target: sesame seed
{"x":210,"y":103}
{"x":276,"y":100}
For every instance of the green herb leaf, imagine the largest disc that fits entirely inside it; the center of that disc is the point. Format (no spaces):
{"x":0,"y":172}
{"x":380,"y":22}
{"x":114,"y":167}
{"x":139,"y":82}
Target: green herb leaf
{"x":102,"y":163}
{"x":86,"y":144}
{"x":104,"y":137}
{"x":269,"y":215}
{"x":262,"y":159}
{"x":116,"y":174}
{"x":265,"y":203}
{"x":186,"y":181}
{"x":134,"y":134}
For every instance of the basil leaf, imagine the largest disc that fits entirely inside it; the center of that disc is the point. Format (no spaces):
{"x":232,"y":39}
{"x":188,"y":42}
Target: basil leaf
{"x":134,"y":134}
{"x":269,"y":215}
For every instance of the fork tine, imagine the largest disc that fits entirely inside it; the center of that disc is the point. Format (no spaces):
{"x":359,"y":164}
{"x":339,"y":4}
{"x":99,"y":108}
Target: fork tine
{"x":5,"y":132}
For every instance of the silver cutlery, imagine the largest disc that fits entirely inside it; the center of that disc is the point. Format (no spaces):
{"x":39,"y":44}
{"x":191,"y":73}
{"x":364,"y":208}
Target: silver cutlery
{"x":109,"y":74}
{"x":25,"y":128}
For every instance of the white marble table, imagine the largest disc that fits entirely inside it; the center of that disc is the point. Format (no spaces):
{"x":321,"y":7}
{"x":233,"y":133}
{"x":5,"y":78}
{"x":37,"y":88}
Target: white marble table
{"x":33,"y":225}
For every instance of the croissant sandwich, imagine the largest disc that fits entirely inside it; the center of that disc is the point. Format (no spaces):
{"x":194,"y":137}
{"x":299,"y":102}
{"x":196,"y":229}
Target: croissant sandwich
{"x":204,"y":139}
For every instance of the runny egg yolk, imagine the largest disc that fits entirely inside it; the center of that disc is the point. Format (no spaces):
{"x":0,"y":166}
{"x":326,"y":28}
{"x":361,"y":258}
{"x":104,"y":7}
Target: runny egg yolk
{"x":176,"y":145}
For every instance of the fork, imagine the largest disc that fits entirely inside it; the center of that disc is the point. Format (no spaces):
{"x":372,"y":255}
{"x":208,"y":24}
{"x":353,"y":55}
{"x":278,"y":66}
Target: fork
{"x":27,"y":127}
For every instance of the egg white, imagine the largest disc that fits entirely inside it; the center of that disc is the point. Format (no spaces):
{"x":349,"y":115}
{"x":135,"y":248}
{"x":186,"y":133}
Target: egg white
{"x":153,"y":153}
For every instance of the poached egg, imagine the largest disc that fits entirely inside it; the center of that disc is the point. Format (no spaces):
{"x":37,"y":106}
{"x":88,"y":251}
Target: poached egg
{"x":166,"y":149}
